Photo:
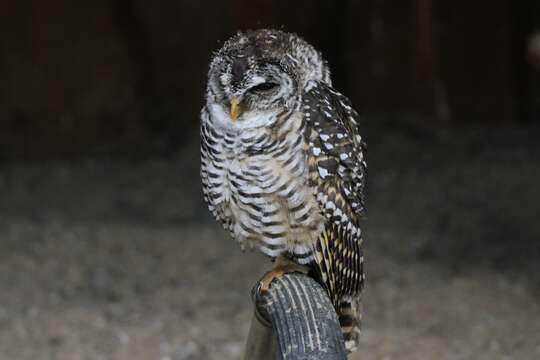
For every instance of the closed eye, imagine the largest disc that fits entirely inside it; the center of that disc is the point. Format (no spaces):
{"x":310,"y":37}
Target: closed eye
{"x":264,"y":87}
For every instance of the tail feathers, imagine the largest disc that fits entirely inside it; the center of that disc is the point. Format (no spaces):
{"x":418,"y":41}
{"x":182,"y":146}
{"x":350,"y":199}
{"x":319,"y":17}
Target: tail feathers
{"x":349,"y":312}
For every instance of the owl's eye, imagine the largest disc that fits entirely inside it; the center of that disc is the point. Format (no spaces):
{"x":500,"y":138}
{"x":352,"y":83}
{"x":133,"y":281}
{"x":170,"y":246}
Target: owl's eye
{"x":266,"y":86}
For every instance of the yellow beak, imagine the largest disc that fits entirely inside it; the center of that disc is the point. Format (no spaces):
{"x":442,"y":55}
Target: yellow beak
{"x":236,"y":109}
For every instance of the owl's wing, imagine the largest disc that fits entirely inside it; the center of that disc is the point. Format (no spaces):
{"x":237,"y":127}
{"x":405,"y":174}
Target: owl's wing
{"x":337,"y":173}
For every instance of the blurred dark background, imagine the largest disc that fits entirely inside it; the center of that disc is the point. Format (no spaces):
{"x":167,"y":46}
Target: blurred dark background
{"x":82,"y":77}
{"x":107,"y":250}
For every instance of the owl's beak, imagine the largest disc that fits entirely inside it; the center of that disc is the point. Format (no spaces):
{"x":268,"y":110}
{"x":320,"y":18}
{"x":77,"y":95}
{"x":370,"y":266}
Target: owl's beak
{"x":236,"y":108}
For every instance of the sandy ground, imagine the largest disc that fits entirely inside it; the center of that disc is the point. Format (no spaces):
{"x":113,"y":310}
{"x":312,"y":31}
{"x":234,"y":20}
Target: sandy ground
{"x":120,"y":260}
{"x":130,"y":291}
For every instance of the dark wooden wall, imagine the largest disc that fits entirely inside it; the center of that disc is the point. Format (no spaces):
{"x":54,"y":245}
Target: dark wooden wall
{"x":90,"y":77}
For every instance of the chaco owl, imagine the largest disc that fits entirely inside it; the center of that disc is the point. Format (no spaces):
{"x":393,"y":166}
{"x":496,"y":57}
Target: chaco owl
{"x":282,"y":163}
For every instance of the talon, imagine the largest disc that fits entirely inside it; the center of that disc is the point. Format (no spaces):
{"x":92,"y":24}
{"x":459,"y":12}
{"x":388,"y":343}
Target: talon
{"x":283,"y":266}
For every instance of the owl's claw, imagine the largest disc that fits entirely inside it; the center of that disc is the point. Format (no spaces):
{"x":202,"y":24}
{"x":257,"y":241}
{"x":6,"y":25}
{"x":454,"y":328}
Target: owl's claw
{"x":283,"y":266}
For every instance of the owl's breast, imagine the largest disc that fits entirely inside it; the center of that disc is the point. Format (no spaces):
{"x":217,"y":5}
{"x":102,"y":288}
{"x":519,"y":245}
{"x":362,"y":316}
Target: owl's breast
{"x":257,"y":185}
{"x":273,"y":206}
{"x":265,"y":194}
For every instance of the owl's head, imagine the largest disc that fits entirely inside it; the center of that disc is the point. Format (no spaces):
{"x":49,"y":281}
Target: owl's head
{"x":262,"y":72}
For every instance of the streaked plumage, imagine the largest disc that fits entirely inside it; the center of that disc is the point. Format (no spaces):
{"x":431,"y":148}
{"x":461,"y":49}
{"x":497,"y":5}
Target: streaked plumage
{"x":287,"y":176}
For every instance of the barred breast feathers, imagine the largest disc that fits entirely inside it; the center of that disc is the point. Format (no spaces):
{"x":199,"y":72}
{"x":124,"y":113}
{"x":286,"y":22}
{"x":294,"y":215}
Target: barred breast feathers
{"x":255,"y":181}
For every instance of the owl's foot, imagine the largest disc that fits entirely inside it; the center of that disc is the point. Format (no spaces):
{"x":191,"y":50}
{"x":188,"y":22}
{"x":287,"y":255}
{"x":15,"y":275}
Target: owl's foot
{"x":282,"y":266}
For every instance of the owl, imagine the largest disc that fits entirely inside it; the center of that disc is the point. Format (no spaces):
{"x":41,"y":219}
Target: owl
{"x":282,"y":163}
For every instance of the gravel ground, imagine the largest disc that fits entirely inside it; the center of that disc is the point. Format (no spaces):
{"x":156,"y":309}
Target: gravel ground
{"x":116,"y":259}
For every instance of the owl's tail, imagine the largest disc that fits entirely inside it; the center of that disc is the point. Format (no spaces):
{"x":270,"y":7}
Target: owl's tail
{"x":348,"y":308}
{"x":339,"y":267}
{"x":350,"y":314}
